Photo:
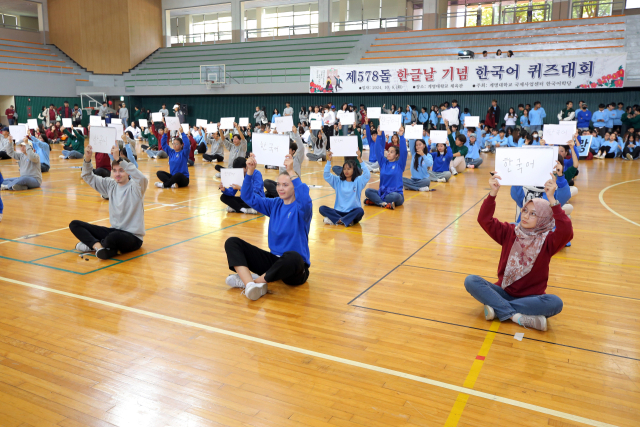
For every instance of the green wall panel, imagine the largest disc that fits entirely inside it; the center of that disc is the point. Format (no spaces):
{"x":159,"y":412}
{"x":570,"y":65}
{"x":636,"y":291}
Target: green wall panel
{"x":215,"y":106}
{"x":37,"y":102}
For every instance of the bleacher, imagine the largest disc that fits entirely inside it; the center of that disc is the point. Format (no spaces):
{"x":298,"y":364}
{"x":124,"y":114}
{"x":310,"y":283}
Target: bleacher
{"x":277,"y":61}
{"x":551,"y":38}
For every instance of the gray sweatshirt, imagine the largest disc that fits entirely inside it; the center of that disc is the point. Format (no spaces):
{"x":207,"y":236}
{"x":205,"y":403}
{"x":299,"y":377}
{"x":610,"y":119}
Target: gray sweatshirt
{"x":123,"y":113}
{"x":317,"y":150}
{"x":126,"y":208}
{"x":29,"y":163}
{"x":214,"y":146}
{"x":258,"y":115}
{"x":288,"y":111}
{"x":5,"y":142}
{"x":235,"y":151}
{"x":298,"y":158}
{"x":165,"y":112}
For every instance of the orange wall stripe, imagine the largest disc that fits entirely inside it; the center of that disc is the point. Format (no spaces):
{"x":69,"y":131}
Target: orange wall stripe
{"x":20,"y":41}
{"x":28,"y":53}
{"x":33,"y":59}
{"x":23,"y":47}
{"x":35,"y":65}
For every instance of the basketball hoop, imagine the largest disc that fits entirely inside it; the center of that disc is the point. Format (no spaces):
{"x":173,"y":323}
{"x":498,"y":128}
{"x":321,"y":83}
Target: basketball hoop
{"x":209,"y":83}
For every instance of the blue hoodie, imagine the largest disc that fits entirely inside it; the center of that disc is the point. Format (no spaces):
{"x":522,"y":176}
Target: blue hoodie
{"x":43,"y":150}
{"x":178,"y":159}
{"x":474,"y":150}
{"x":425,"y":162}
{"x":288,"y":224}
{"x":536,"y":117}
{"x":584,"y":118}
{"x":441,"y":163}
{"x":391,"y":172}
{"x":599,"y":115}
{"x":596,"y":142}
{"x":347,"y":192}
{"x":433,"y":118}
{"x":611,"y":115}
{"x":258,"y":185}
{"x":423,"y":117}
{"x":617,"y":120}
{"x":372,"y":145}
{"x":406,"y":117}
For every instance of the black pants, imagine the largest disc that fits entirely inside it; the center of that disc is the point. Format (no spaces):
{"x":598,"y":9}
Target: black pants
{"x":190,"y":162}
{"x":635,"y":152}
{"x":4,"y":156}
{"x":44,"y":167}
{"x":606,"y":150}
{"x":168,"y":180}
{"x":105,"y":173}
{"x":271,"y":189}
{"x":213,"y":157}
{"x":235,"y":203}
{"x":328,"y":131}
{"x":112,"y":239}
{"x":202,"y":148}
{"x":290,"y":267}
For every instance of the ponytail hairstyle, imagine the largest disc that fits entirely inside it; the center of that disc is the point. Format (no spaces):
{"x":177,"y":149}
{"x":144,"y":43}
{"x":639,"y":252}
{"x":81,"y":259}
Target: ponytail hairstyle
{"x":418,"y":160}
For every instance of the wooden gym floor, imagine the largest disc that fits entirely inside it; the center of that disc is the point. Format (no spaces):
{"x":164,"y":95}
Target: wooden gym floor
{"x":383,"y":334}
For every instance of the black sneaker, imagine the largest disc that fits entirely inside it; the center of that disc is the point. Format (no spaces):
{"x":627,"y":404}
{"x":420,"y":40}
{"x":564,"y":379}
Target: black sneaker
{"x":144,"y":147}
{"x":105,"y":253}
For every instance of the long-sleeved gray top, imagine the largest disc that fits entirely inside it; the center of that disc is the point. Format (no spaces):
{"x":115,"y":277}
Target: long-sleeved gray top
{"x":298,"y":158}
{"x":28,"y":163}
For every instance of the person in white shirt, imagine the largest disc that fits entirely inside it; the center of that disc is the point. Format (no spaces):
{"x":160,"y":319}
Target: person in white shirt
{"x":510,"y":119}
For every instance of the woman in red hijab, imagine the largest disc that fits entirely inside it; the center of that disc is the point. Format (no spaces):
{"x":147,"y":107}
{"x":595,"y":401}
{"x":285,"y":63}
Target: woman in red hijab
{"x":523,"y":270}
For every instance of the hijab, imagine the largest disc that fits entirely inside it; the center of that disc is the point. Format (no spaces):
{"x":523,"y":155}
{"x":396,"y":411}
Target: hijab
{"x":528,"y":243}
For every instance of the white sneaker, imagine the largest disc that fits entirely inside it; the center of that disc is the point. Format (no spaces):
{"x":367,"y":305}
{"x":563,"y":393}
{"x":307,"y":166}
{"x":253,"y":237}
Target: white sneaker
{"x":319,"y":160}
{"x":0,"y":217}
{"x":442,"y":180}
{"x":175,"y":185}
{"x":375,"y":170}
{"x":234,"y":281}
{"x":83,"y":248}
{"x":489,"y":314}
{"x":218,"y":175}
{"x":454,"y":172}
{"x":4,"y":187}
{"x":327,"y":221}
{"x":159,"y":184}
{"x":533,"y":322}
{"x":251,"y":211}
{"x":62,"y":157}
{"x":231,"y":210}
{"x":424,"y":189}
{"x":254,"y":291}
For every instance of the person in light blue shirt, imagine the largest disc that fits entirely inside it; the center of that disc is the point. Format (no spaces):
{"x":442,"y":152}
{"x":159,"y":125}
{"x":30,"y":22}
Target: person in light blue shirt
{"x":611,"y":115}
{"x":617,"y":120}
{"x":599,"y":119}
{"x":596,"y":142}
{"x":276,"y":113}
{"x":433,"y":117}
{"x":423,"y":117}
{"x":473,"y":159}
{"x":509,"y":136}
{"x":441,"y":124}
{"x":347,"y":209}
{"x":500,"y":141}
{"x":489,"y":141}
{"x":43,"y":150}
{"x":536,"y":116}
{"x":463,"y":116}
{"x":421,"y":161}
{"x":406,"y":116}
{"x":608,"y":146}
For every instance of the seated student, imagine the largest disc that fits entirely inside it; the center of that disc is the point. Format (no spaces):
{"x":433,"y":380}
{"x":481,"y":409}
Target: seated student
{"x":489,"y":141}
{"x":128,"y":149}
{"x":228,"y":196}
{"x":134,"y":129}
{"x":499,"y":141}
{"x":153,"y":150}
{"x":213,"y":148}
{"x":523,"y":270}
{"x":74,"y":149}
{"x":53,"y":134}
{"x":392,"y":165}
{"x":631,"y":149}
{"x":608,"y":147}
{"x":43,"y":149}
{"x":289,"y":222}
{"x":296,"y":151}
{"x":511,"y":142}
{"x":372,"y":164}
{"x":29,"y":165}
{"x":347,"y":209}
{"x":198,"y":134}
{"x":570,"y":164}
{"x":237,"y":146}
{"x":5,"y":141}
{"x":178,"y":175}
{"x":319,"y":146}
{"x":596,"y":142}
{"x":459,"y":150}
{"x":440,"y":171}
{"x":420,"y":164}
{"x":125,"y":192}
{"x":1,"y":204}
{"x":193,"y":145}
{"x":472,"y":158}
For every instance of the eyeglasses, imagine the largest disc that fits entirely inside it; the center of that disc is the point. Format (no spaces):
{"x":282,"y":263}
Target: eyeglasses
{"x":527,"y":212}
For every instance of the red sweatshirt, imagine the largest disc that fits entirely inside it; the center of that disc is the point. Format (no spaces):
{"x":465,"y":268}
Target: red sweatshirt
{"x":9,"y":113}
{"x":194,"y":145}
{"x":534,"y":283}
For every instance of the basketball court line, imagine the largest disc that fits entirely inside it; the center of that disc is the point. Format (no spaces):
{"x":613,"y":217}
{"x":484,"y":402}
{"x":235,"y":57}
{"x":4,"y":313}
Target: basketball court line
{"x":601,"y":198}
{"x":399,"y":374}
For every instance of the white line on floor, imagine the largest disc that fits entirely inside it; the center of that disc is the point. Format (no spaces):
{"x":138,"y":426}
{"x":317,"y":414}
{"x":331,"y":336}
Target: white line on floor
{"x":601,"y":197}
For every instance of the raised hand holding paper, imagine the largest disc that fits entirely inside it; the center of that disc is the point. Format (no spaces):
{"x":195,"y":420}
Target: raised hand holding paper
{"x":244,"y":121}
{"x":156,"y":117}
{"x":451,"y":115}
{"x":32,"y":123}
{"x":201,"y":122}
{"x":523,"y":166}
{"x":230,"y":176}
{"x":270,"y":149}
{"x":284,"y":124}
{"x":438,"y":137}
{"x":95,"y":121}
{"x":173,"y":123}
{"x":347,"y":118}
{"x":212,"y":127}
{"x":344,"y":146}
{"x":102,"y":139}
{"x":374,"y":112}
{"x":67,"y":123}
{"x":472,"y":121}
{"x":558,"y":134}
{"x":143,"y":123}
{"x":390,"y":122}
{"x":185,"y":127}
{"x":413,"y":132}
{"x":227,"y":122}
{"x":316,"y":125}
{"x":118,"y":128}
{"x":572,"y":124}
{"x":116,"y":121}
{"x":18,"y":132}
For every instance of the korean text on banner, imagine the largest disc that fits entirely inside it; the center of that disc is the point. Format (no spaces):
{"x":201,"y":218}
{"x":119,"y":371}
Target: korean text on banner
{"x":557,"y":134}
{"x":344,"y":146}
{"x":284,"y":124}
{"x":523,"y":166}
{"x":227,"y":122}
{"x":374,"y":112}
{"x":438,"y":137}
{"x":102,"y":139}
{"x":95,"y":120}
{"x":585,"y":145}
{"x":156,"y":117}
{"x":32,"y":123}
{"x":230,"y":176}
{"x":390,"y":122}
{"x":173,"y":123}
{"x":270,"y":149}
{"x":201,"y":122}
{"x":143,"y":123}
{"x":68,"y":123}
{"x":18,"y":132}
{"x":472,"y":121}
{"x":244,"y":121}
{"x":413,"y":132}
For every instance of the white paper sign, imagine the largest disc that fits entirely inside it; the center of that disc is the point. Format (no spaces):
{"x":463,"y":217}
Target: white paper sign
{"x":212,"y":127}
{"x":346,"y":118}
{"x":374,"y":112}
{"x":451,"y":115}
{"x":472,"y":121}
{"x":523,"y":166}
{"x":103,"y":123}
{"x":344,"y":146}
{"x":95,"y":120}
{"x":143,"y":123}
{"x":185,"y":127}
{"x":102,"y":139}
{"x":585,"y":145}
{"x":119,"y":130}
{"x":573,"y":124}
{"x":438,"y":137}
{"x":18,"y":132}
{"x":244,"y":121}
{"x":390,"y":122}
{"x":305,"y":136}
{"x":270,"y":149}
{"x":227,"y":122}
{"x":32,"y":123}
{"x":116,"y":121}
{"x":173,"y":123}
{"x":156,"y":117}
{"x":557,"y":134}
{"x":201,"y":122}
{"x":284,"y":124}
{"x":518,"y":336}
{"x":67,"y":123}
{"x":413,"y":132}
{"x":316,"y":125}
{"x":230,"y":176}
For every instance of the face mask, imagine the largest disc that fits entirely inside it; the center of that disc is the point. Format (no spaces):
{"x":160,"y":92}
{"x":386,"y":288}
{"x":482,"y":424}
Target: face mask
{"x":535,"y":135}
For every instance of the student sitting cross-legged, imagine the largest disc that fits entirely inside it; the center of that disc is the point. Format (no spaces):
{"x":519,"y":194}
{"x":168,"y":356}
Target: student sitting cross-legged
{"x":29,"y":165}
{"x":125,"y":192}
{"x":289,"y":221}
{"x":228,"y":197}
{"x":178,"y":175}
